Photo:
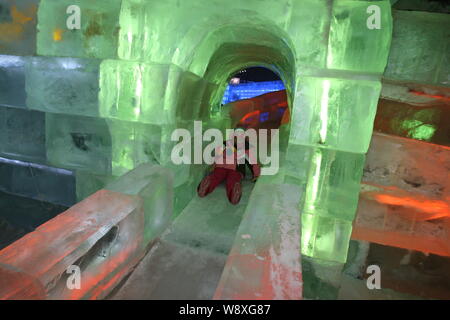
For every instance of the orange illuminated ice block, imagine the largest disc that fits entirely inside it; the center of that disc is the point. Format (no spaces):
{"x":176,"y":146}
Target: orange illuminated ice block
{"x":101,"y":235}
{"x":405,"y":197}
{"x":398,"y":218}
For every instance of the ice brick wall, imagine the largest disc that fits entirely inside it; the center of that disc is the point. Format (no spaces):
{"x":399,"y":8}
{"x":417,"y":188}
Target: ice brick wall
{"x":51,"y":105}
{"x":111,"y":92}
{"x":333,"y":110}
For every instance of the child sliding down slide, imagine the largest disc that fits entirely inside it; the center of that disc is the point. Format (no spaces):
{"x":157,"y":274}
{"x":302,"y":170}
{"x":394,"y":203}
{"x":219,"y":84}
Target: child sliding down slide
{"x":229,"y":165}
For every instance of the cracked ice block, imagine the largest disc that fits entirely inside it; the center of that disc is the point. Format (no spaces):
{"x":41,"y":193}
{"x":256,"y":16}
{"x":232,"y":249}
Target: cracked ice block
{"x":150,"y":93}
{"x":96,"y":38}
{"x":325,"y":238}
{"x":154,"y":184}
{"x":22,"y":134}
{"x":18,"y":27}
{"x":420,"y":48}
{"x":352,"y":44}
{"x":63,"y":85}
{"x":335,"y":113}
{"x":38,"y":182}
{"x":133,"y":143}
{"x":333,"y":183}
{"x":12,"y":81}
{"x":75,"y":142}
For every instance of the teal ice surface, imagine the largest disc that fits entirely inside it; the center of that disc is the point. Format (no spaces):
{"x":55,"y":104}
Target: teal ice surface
{"x":210,"y":223}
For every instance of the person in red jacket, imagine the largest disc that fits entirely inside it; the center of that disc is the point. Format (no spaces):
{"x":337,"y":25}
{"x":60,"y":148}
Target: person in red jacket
{"x":230,"y":166}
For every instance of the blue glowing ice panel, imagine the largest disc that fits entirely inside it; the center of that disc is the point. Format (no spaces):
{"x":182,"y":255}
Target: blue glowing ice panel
{"x":250,"y":90}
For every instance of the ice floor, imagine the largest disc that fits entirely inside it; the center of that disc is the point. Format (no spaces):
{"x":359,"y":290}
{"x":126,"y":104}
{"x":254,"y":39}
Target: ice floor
{"x":189,"y":259}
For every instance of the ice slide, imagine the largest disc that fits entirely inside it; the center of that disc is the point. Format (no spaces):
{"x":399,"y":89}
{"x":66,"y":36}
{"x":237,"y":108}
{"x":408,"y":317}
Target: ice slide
{"x":217,"y":250}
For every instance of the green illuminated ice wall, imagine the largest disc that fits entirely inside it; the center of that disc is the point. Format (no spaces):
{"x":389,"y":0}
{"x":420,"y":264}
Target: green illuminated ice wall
{"x":138,"y":69}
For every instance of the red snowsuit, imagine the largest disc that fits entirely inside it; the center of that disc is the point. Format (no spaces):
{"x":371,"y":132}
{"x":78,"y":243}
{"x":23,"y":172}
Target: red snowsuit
{"x":228,"y":168}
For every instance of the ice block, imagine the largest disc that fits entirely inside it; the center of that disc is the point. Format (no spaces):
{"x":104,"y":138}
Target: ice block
{"x":410,"y":165}
{"x":133,"y":143}
{"x":96,"y":37}
{"x":360,"y":35}
{"x":17,"y":285}
{"x":18,"y":19}
{"x":12,"y":81}
{"x":148,"y":92}
{"x":426,"y":123}
{"x":335,"y":113}
{"x":325,"y":237}
{"x":154,"y":185}
{"x":76,"y":142}
{"x":321,"y":278}
{"x":37,"y":181}
{"x":88,"y":183}
{"x":388,"y":225}
{"x":142,"y":37}
{"x":101,"y":235}
{"x":265,"y":261}
{"x":419,"y":50}
{"x":404,"y":199}
{"x":333,"y":183}
{"x":309,"y":29}
{"x":63,"y":85}
{"x":23,"y":134}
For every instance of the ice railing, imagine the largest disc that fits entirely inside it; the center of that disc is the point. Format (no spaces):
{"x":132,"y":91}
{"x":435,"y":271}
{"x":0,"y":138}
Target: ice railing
{"x":265,"y":261}
{"x":98,"y":240}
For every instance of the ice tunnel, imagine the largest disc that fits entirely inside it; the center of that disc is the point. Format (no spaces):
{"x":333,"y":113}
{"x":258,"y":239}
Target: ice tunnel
{"x":91,"y":93}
